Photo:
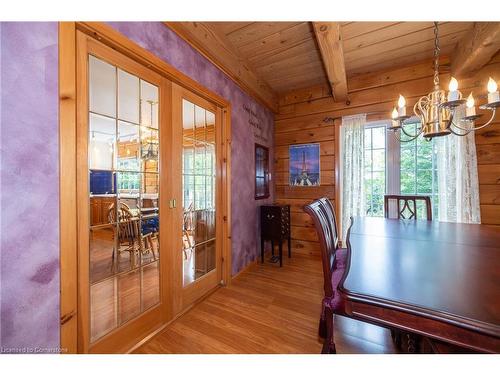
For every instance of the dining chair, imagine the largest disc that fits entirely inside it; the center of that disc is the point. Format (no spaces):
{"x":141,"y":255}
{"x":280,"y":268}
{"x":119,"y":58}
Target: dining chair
{"x":131,"y":237}
{"x":332,"y":218}
{"x":187,"y":231}
{"x":335,"y":261}
{"x":407,"y":205}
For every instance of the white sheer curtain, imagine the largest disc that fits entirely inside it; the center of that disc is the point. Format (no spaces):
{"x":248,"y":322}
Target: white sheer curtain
{"x":458,"y":183}
{"x":353,"y":154}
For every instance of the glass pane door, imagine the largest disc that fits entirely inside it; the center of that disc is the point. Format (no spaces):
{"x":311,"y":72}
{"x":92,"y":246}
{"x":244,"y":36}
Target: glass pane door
{"x":199,"y":191}
{"x":123,"y":167}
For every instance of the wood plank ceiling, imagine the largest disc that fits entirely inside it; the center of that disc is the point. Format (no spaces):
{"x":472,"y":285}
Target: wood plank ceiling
{"x":285,"y":55}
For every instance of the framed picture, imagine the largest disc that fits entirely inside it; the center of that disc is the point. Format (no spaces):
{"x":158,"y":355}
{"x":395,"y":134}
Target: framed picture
{"x":304,"y":165}
{"x":261,"y":172}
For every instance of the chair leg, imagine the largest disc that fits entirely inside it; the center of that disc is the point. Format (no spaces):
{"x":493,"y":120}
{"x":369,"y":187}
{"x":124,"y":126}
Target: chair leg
{"x":328,"y":343}
{"x":322,"y":327}
{"x":152,"y":248}
{"x":281,"y":252}
{"x":396,"y":337}
{"x":412,"y":343}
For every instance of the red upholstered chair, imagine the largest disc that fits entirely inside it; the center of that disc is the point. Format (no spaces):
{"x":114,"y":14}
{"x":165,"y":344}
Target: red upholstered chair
{"x":335,"y":262}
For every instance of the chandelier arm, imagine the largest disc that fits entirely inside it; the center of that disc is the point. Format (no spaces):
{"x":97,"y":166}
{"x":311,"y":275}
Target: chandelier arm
{"x":450,"y":128}
{"x":411,"y":135}
{"x":399,"y":139}
{"x":477,"y":127}
{"x":460,"y":135}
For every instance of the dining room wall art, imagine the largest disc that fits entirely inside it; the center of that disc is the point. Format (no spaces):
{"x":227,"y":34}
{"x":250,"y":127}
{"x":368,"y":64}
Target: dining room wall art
{"x":304,"y":165}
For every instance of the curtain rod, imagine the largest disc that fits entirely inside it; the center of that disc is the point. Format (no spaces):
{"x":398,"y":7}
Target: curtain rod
{"x":328,"y":119}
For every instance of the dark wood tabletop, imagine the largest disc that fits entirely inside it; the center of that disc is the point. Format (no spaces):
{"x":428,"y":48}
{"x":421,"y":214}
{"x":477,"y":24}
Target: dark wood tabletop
{"x":442,"y":271}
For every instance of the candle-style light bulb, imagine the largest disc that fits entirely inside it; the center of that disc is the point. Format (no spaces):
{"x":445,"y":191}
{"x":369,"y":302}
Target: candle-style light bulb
{"x":394,"y":113}
{"x":453,"y":85}
{"x":401,"y":106}
{"x":470,"y":101}
{"x":493,"y":94}
{"x":394,"y":116}
{"x":401,"y":101}
{"x":453,"y":94}
{"x":492,"y":86}
{"x":470,"y":109}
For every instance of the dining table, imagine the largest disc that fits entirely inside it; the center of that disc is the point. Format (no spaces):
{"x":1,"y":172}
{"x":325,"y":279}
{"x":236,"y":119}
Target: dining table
{"x":435,"y":279}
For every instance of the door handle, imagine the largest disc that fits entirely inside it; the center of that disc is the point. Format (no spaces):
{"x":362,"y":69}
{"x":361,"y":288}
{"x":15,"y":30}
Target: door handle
{"x":172,"y":203}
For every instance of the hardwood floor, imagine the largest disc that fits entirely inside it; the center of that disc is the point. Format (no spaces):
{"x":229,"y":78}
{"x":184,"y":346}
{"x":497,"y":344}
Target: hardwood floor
{"x":267,"y":309}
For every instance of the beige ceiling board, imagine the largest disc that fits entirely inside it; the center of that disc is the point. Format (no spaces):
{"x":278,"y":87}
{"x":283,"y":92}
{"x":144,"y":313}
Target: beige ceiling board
{"x":354,"y":29}
{"x":399,"y":43}
{"x":386,"y":33}
{"x":278,"y":42}
{"x":257,"y":31}
{"x":228,"y":27}
{"x":295,"y":62}
{"x":398,"y":57}
{"x":306,"y":46}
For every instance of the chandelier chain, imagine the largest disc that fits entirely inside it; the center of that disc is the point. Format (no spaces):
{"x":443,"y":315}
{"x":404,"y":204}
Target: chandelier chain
{"x":436,"y":54}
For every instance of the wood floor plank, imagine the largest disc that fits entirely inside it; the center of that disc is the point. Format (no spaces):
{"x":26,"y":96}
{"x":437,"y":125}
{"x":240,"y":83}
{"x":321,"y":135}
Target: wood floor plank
{"x":267,"y":309}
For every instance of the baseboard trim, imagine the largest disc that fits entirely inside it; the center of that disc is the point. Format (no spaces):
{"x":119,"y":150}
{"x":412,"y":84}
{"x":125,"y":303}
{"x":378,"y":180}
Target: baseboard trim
{"x":148,"y":337}
{"x":246,"y":268}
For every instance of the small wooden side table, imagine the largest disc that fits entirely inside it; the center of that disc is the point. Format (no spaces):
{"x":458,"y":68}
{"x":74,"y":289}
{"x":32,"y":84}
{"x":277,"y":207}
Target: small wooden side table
{"x":275,"y":226}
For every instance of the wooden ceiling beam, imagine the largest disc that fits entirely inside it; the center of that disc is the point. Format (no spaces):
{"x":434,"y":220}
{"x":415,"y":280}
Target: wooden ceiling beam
{"x":477,"y":48}
{"x":330,"y":43}
{"x":214,"y":46}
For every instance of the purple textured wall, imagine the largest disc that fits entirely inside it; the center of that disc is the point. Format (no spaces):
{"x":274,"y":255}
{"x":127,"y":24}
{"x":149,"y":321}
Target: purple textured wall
{"x":29,"y":174}
{"x":164,"y":43}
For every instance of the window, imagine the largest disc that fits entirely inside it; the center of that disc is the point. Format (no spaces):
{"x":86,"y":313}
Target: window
{"x":393,"y":167}
{"x":418,"y":169}
{"x":375,"y":170}
{"x":261,"y":172}
{"x":128,"y":181}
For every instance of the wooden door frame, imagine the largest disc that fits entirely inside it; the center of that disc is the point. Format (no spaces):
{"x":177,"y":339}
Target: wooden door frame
{"x":69,"y":301}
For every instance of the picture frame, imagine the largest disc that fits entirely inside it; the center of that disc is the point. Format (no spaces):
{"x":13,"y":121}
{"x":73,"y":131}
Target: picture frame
{"x":262,"y":190}
{"x":304,"y":165}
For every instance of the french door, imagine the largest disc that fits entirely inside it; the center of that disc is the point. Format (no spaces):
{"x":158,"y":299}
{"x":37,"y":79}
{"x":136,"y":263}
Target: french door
{"x":151,"y":198}
{"x":123,"y":178}
{"x":197,"y":164}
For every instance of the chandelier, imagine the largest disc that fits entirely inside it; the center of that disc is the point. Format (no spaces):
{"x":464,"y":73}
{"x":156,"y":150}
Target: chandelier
{"x":437,"y":110}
